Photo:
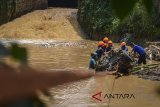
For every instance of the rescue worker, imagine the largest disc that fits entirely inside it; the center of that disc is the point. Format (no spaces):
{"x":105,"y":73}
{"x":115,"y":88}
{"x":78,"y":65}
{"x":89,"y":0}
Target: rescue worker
{"x":140,"y":50}
{"x":93,"y":59}
{"x":110,"y":46}
{"x":124,"y":47}
{"x":105,"y":40}
{"x":105,"y":46}
{"x":100,"y":49}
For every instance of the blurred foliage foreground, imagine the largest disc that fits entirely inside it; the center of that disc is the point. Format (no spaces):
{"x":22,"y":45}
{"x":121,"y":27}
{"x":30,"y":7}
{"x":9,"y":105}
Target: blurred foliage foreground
{"x":22,"y":86}
{"x":117,"y":17}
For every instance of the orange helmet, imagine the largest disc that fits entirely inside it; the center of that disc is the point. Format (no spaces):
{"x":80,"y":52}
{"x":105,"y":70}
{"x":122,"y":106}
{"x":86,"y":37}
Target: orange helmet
{"x":105,"y":45}
{"x":105,"y":39}
{"x":110,"y":42}
{"x":123,"y":43}
{"x":101,"y":43}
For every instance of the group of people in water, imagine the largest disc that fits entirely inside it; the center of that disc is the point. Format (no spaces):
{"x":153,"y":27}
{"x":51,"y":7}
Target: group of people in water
{"x":105,"y":46}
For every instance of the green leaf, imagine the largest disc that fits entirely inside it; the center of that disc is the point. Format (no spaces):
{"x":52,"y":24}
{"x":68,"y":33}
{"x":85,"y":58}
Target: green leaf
{"x":19,"y":53}
{"x":148,"y":4}
{"x":123,"y":7}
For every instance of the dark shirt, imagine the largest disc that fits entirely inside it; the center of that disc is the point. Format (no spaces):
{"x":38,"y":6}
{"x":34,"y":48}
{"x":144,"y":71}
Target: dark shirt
{"x":99,"y":52}
{"x":104,"y":49}
{"x":108,"y":48}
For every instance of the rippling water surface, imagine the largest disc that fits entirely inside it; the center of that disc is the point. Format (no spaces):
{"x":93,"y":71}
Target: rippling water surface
{"x":75,"y":55}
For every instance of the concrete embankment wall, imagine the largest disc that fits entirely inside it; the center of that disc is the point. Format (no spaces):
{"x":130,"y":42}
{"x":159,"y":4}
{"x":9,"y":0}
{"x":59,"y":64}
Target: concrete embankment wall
{"x":10,"y":9}
{"x":63,"y":3}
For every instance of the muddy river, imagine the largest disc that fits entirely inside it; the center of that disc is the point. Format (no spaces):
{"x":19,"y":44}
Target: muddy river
{"x":61,"y":23}
{"x":127,"y":91}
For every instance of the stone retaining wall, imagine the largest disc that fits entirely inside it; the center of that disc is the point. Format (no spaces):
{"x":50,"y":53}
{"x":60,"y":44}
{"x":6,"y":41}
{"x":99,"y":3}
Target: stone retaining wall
{"x":10,"y":9}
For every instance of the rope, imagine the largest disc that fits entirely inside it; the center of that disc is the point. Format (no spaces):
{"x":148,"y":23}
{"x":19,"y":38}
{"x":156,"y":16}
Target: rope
{"x":112,"y":91}
{"x":113,"y":86}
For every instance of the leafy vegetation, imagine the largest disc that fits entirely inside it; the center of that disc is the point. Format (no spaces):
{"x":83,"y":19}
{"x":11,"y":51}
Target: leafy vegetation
{"x":7,"y":10}
{"x":117,"y":17}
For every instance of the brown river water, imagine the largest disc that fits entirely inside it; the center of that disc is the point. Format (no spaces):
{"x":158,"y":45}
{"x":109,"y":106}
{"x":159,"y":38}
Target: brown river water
{"x":76,"y":55}
{"x":61,"y":23}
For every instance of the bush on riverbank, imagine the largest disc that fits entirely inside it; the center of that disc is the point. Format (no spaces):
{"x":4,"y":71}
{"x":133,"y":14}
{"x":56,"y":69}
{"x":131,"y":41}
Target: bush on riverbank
{"x":97,"y":18}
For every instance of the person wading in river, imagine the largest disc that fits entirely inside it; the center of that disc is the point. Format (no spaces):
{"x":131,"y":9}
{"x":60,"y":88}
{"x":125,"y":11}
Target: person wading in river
{"x":105,"y":46}
{"x":100,"y":49}
{"x":105,"y":40}
{"x":140,"y":50}
{"x":92,"y":64}
{"x":110,"y":46}
{"x":124,"y":47}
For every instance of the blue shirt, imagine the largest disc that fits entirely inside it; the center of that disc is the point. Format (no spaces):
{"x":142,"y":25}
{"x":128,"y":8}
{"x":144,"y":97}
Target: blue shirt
{"x":124,"y":48}
{"x":92,"y":63}
{"x":139,"y":50}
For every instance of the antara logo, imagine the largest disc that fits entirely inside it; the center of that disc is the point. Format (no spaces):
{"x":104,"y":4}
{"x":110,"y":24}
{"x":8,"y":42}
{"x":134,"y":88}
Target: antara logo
{"x":99,"y":96}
